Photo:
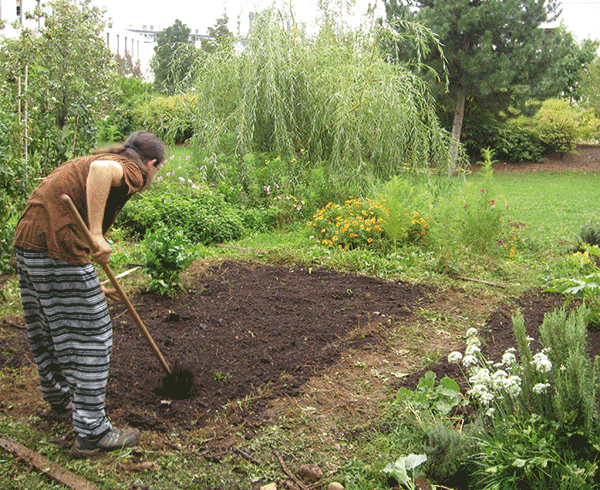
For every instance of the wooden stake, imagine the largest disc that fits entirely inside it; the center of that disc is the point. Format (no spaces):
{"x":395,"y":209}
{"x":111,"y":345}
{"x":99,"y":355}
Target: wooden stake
{"x":52,"y":470}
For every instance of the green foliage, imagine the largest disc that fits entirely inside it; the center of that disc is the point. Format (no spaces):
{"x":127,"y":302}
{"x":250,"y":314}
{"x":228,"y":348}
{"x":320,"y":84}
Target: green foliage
{"x":401,"y":468}
{"x":589,"y":233}
{"x":450,"y":453}
{"x":220,"y":36}
{"x":174,"y":55}
{"x":201,"y":213}
{"x":167,"y":254}
{"x":121,"y":121}
{"x":170,"y":118}
{"x":532,"y":453}
{"x":330,"y":101}
{"x":590,"y":88}
{"x":576,"y":377}
{"x":559,"y":125}
{"x":511,"y":140}
{"x":442,"y":399}
{"x":470,"y":218}
{"x":15,"y":178}
{"x":69,"y":75}
{"x":532,"y":403}
{"x":496,"y":53}
{"x":569,"y":73}
{"x":581,"y":279}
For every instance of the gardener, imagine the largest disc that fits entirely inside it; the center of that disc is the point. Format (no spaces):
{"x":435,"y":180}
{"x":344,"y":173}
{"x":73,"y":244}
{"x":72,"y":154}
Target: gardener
{"x":68,"y":324}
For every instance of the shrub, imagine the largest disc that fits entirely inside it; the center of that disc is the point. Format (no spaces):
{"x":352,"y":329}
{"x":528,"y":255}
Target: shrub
{"x":201,"y":213}
{"x":512,"y":140}
{"x":170,"y":118}
{"x":560,"y":125}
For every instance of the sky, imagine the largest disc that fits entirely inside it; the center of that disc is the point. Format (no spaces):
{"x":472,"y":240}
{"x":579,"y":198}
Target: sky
{"x":581,"y":17}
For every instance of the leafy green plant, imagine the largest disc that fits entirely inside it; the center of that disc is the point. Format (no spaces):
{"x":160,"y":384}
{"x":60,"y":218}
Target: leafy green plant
{"x":582,"y":281}
{"x":167,"y":254}
{"x":170,"y":118}
{"x":532,"y":452}
{"x":222,"y":378}
{"x":442,"y":399}
{"x":198,"y":211}
{"x":401,"y":468}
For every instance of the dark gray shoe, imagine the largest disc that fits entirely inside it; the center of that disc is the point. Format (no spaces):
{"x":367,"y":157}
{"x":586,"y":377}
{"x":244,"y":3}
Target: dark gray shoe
{"x":111,"y":440}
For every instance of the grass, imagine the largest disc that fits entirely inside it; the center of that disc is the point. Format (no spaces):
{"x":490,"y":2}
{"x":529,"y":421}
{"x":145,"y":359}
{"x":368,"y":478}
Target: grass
{"x":549,"y":208}
{"x":552,"y":206}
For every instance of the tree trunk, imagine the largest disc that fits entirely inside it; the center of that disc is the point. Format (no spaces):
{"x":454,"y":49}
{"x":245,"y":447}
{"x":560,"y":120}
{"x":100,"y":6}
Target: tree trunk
{"x":459,"y":115}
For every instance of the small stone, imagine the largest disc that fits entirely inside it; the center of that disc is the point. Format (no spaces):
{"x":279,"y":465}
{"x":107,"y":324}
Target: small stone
{"x":310,"y":472}
{"x":270,"y":486}
{"x":335,"y":486}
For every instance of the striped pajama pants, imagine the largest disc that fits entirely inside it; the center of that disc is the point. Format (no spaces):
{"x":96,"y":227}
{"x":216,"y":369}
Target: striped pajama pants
{"x":70,"y":334}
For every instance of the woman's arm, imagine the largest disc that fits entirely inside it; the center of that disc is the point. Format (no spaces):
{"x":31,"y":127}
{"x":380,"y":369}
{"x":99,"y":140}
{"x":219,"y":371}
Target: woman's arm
{"x":103,"y":175}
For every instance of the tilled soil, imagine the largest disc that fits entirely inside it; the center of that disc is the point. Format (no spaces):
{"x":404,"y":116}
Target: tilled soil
{"x":241,"y":328}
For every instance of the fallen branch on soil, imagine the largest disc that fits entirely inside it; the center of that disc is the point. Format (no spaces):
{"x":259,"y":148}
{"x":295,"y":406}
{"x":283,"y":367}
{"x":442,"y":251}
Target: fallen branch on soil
{"x":244,"y":454}
{"x":480,"y":281}
{"x":288,"y":472}
{"x":43,"y":465}
{"x":220,"y":245}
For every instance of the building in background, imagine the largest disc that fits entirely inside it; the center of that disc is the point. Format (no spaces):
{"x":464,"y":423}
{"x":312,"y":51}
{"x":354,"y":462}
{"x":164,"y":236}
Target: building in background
{"x":138,"y":42}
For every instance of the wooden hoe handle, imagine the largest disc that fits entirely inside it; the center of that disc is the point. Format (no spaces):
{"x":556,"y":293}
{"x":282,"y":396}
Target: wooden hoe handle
{"x":83,"y":229}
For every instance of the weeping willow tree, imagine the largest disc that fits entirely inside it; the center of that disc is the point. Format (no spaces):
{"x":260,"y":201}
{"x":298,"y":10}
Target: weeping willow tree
{"x":331,"y":98}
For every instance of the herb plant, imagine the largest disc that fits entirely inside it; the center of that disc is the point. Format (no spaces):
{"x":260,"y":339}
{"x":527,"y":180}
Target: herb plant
{"x":167,"y":254}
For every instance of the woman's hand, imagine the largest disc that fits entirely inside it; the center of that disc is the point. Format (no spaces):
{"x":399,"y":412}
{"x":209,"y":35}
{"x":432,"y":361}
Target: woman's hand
{"x":111,"y":294}
{"x":102,"y":253}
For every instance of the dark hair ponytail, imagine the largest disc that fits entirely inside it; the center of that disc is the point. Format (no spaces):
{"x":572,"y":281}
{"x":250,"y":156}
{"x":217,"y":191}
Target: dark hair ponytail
{"x":141,"y":147}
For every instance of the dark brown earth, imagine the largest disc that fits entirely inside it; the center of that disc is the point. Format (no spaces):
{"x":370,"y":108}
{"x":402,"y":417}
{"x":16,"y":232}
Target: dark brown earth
{"x":255,"y":333}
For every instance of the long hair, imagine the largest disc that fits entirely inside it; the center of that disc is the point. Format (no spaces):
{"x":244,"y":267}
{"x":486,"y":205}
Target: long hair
{"x":141,"y":147}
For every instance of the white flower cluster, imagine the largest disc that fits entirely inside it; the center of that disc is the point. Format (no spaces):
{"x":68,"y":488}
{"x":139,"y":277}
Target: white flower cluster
{"x":541,"y":362}
{"x":541,"y":388}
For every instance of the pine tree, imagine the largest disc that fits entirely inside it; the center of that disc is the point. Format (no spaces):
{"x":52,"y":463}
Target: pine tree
{"x":496,"y":50}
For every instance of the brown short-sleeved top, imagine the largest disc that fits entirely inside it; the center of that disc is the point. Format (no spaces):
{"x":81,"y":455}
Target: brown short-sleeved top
{"x":45,"y":225}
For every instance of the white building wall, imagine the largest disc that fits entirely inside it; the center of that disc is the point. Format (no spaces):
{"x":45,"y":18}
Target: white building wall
{"x":12,"y":13}
{"x":140,"y":48}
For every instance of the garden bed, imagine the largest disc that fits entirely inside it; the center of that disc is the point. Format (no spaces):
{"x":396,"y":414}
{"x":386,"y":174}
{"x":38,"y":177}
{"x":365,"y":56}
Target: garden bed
{"x":256,"y":332}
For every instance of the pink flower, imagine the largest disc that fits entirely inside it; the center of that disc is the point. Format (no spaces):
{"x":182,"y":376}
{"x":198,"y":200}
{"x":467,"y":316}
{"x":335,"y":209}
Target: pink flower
{"x":481,"y":190}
